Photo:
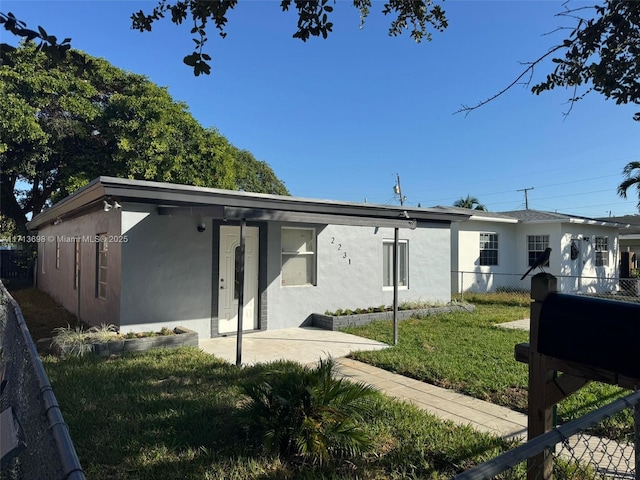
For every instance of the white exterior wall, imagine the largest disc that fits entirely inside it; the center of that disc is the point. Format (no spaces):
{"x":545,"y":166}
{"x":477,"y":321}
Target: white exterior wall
{"x":468,"y":260}
{"x":166,"y":272}
{"x":587,"y":276}
{"x":513,"y":256}
{"x":58,"y":282}
{"x":357,"y":284}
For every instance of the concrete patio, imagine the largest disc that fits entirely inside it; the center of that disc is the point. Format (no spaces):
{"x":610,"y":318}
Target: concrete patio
{"x":304,"y":345}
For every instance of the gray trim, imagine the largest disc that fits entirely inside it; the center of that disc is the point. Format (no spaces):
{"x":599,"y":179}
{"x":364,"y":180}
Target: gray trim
{"x":215,"y":274}
{"x":262,"y":276}
{"x":174,"y":195}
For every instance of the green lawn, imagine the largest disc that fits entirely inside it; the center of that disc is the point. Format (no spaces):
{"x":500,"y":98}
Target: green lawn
{"x":173,"y":414}
{"x":466,"y":352}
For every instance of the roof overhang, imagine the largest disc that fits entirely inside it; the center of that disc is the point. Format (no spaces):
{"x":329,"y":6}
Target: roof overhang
{"x":478,"y":218}
{"x":173,"y":199}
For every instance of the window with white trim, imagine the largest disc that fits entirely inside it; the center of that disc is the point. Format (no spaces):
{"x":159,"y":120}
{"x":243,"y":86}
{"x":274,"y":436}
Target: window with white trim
{"x":403,"y":263}
{"x":536,"y":245}
{"x":488,"y":249}
{"x":298,"y":257}
{"x":601,"y":245}
{"x":102,"y":248}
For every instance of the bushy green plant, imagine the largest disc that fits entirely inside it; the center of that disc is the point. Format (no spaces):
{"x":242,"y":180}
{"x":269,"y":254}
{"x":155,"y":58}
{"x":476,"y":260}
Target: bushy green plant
{"x":166,"y":331}
{"x":77,"y":341}
{"x":296,"y":410}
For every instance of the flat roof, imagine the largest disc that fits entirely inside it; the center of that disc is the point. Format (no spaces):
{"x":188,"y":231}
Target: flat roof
{"x":176,"y":199}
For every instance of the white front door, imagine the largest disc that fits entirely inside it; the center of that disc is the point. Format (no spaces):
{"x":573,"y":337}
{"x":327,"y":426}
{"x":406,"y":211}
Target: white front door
{"x":228,"y":285}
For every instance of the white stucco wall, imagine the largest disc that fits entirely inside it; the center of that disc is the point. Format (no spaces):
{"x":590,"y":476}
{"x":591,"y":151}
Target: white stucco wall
{"x":58,"y":282}
{"x":468,"y":256}
{"x":586,"y":276}
{"x":358,"y":283}
{"x":513,"y":256}
{"x":166,"y":272}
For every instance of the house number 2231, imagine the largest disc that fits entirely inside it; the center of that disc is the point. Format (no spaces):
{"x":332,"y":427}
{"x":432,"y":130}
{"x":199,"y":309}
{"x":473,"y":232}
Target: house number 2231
{"x":343,"y":254}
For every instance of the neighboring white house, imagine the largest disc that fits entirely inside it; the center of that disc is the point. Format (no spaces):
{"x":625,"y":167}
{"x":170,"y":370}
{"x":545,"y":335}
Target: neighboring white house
{"x":629,"y":237}
{"x":142,"y":255}
{"x":492,"y":250}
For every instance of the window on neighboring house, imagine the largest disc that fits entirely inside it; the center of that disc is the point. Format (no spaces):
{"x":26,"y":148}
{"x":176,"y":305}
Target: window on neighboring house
{"x":76,"y":263}
{"x":57,"y":255}
{"x":536,"y":245}
{"x":298,"y":257}
{"x":101,"y":266}
{"x":602,"y":251}
{"x":403,"y":263}
{"x":488,"y":249}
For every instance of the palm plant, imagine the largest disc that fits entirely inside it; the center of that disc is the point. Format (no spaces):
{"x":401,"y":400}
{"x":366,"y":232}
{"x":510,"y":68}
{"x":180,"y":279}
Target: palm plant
{"x":470,"y":202}
{"x":296,"y":410}
{"x":631,"y":172}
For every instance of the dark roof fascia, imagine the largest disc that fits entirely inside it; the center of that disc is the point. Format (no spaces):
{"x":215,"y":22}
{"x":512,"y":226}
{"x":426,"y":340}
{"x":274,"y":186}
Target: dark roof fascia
{"x":82,"y":200}
{"x":175,"y":195}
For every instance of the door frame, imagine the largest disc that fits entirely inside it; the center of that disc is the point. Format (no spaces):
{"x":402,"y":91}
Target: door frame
{"x":217,"y":285}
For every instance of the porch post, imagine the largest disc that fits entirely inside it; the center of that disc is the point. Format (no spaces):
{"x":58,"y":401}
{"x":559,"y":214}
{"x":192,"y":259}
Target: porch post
{"x":395,"y":285}
{"x":240,"y":282}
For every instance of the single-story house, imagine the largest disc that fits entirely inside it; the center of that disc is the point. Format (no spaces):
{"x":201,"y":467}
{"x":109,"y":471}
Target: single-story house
{"x":142,"y":255}
{"x":491,"y":250}
{"x":629,"y":237}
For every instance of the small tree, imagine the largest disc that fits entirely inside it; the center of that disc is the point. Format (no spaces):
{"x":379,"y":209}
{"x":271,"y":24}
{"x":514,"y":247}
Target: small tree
{"x":631,"y":172}
{"x":470,"y":202}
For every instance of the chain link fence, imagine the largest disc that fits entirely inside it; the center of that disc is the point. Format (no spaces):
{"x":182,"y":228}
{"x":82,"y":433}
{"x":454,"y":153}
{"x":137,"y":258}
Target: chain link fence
{"x":28,"y":404}
{"x":572,"y":453}
{"x":627,"y":289}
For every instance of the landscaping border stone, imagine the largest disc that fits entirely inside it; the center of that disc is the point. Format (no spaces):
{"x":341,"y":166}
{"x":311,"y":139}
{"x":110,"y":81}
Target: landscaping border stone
{"x":331,"y":322}
{"x":183,"y":337}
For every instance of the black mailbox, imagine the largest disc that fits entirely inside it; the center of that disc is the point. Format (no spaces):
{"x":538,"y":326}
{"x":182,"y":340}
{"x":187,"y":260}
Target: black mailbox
{"x":598,"y":333}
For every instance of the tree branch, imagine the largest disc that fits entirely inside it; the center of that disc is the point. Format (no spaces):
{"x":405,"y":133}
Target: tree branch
{"x":531,"y":66}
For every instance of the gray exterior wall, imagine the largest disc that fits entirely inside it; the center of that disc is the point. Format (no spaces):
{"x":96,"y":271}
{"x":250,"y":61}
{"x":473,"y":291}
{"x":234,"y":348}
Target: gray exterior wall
{"x":341,"y":284}
{"x":166,"y":272}
{"x":59,"y":282}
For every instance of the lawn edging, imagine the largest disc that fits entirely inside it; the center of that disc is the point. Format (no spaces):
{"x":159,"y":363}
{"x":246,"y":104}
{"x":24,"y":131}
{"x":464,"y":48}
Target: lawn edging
{"x":332,"y":322}
{"x":183,"y":337}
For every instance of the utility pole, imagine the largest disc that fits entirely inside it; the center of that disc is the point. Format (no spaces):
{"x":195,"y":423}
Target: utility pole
{"x":397,"y":189}
{"x":526,"y":197}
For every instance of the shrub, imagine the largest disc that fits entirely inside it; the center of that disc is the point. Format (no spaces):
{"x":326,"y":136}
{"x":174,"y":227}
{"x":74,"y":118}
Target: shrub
{"x":296,"y":410}
{"x":77,"y":341}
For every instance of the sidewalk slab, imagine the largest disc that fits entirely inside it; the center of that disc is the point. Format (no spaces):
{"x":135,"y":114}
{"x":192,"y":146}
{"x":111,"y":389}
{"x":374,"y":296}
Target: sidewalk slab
{"x":445,"y":404}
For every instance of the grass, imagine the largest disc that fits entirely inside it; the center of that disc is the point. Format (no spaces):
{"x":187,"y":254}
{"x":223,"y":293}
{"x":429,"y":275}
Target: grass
{"x":42,"y":313}
{"x":175,"y":414}
{"x":166,"y":414}
{"x":466,"y":352}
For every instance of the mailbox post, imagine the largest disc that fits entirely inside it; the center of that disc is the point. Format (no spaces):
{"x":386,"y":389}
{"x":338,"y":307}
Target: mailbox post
{"x":540,"y":413}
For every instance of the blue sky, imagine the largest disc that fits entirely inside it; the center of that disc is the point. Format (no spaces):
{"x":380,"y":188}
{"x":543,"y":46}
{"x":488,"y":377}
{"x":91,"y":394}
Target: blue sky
{"x":339,"y":118}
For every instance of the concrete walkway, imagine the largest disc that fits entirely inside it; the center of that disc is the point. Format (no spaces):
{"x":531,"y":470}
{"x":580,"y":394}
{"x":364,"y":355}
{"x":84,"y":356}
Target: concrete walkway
{"x":304,"y":345}
{"x":445,"y":404}
{"x":308,"y":345}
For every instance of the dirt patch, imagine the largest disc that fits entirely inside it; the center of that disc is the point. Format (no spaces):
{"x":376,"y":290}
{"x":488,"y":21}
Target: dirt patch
{"x":512,"y":397}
